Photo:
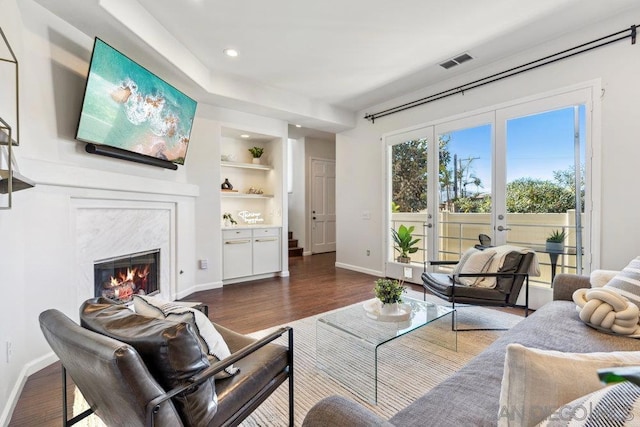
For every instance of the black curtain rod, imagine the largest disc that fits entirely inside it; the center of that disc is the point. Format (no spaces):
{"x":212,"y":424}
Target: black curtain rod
{"x":567,"y":53}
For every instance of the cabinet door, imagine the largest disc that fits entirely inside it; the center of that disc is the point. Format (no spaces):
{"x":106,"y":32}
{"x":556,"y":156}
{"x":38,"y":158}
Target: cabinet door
{"x":266,"y":254}
{"x":236,"y":258}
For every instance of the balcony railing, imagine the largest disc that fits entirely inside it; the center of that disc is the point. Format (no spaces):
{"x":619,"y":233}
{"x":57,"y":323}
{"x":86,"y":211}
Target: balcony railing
{"x":458,"y":231}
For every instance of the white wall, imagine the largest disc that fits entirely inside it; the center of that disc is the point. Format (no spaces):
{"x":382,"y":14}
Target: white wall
{"x":205,"y":171}
{"x":297,"y":197}
{"x":617,"y":67}
{"x":37,"y":237}
{"x":38,"y":259}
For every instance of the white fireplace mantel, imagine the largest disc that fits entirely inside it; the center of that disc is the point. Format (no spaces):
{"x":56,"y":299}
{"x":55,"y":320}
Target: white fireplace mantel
{"x":106,"y":228}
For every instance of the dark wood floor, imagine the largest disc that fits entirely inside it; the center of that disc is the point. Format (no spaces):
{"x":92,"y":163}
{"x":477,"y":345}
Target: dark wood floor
{"x":315,"y":286}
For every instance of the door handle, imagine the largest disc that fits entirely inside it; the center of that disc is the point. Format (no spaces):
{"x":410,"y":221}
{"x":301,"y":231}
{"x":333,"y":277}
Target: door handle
{"x":501,"y":228}
{"x":267,"y":240}
{"x":236,"y":242}
{"x":429,"y":225}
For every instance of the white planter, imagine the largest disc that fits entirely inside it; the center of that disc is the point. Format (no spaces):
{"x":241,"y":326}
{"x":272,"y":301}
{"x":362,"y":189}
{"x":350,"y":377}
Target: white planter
{"x":256,"y":160}
{"x":390,"y":309}
{"x":554,"y":247}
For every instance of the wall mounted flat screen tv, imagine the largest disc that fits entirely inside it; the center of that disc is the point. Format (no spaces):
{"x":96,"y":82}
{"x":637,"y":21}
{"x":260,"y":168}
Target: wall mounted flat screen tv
{"x":129,"y":108}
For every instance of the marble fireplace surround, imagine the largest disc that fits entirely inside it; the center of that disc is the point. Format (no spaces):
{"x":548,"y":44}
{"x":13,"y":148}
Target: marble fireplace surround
{"x":111,"y":228}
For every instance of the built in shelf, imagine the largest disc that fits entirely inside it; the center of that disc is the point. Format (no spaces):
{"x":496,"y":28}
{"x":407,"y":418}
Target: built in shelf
{"x":235,"y":195}
{"x":246,"y":166}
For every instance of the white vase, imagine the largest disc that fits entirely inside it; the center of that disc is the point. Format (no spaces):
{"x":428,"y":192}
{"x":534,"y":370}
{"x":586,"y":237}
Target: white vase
{"x":256,"y":160}
{"x":390,"y":308}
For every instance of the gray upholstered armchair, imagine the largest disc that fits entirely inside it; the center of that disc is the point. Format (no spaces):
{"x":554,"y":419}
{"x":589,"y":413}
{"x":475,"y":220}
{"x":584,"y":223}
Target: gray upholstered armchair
{"x":162,"y":377}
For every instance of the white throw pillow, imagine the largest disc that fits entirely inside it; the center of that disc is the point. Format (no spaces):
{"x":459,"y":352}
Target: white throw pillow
{"x":599,"y":278}
{"x":627,"y":282}
{"x":463,"y":260}
{"x":213,"y":343}
{"x":615,"y":405}
{"x":536,"y":382}
{"x":478,"y":262}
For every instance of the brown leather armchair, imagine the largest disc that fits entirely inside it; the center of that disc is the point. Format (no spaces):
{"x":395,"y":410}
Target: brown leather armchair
{"x":126,"y":384}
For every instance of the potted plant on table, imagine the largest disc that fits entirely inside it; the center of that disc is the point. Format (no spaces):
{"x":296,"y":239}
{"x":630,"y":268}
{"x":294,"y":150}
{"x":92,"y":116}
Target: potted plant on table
{"x":256,"y":152}
{"x":555,"y":241}
{"x":405,"y":243}
{"x":389,"y":292}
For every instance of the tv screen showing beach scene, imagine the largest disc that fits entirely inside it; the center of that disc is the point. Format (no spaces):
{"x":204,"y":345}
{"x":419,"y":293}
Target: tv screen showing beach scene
{"x":128,"y":107}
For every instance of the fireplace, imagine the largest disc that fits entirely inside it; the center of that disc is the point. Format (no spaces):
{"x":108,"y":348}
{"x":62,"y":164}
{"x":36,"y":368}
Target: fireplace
{"x":120,"y":278}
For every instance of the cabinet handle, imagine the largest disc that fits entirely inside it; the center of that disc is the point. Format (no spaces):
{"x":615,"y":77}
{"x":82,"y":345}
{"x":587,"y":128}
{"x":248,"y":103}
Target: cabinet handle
{"x":266,"y":240}
{"x":236,"y":242}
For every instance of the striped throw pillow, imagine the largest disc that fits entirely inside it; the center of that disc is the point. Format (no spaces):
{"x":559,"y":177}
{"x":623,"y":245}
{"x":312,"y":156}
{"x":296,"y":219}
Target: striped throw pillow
{"x":615,"y":405}
{"x":627,"y":282}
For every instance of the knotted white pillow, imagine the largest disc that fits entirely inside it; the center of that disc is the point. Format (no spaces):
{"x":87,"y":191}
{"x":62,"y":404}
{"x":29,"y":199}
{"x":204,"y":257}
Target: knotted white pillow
{"x":606,"y":310}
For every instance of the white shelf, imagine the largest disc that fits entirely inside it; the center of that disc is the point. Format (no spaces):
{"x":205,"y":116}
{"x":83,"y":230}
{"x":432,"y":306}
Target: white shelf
{"x":246,"y":166}
{"x":245,"y":195}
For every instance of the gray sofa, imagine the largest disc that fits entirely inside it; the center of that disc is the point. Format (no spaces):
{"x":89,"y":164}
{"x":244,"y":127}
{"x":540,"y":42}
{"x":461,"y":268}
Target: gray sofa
{"x":471,"y":396}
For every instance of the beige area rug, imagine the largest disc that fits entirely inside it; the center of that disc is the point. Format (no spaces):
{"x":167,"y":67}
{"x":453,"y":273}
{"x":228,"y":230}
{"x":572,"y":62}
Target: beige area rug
{"x":408,"y":366}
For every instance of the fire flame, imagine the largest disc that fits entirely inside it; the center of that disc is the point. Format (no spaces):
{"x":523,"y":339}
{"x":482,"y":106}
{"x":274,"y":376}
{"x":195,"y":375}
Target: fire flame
{"x":126,"y":282}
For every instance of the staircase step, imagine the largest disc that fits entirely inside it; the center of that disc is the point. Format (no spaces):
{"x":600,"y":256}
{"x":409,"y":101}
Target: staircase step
{"x":290,"y":233}
{"x":293,"y":252}
{"x":293,"y":243}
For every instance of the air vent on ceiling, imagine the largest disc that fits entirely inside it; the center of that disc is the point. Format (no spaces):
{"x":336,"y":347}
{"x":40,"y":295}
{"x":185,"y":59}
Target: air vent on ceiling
{"x":456,"y":61}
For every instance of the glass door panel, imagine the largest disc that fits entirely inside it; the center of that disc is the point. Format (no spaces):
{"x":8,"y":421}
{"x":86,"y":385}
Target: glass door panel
{"x":409,"y":195}
{"x":545,"y":187}
{"x":465,"y":186}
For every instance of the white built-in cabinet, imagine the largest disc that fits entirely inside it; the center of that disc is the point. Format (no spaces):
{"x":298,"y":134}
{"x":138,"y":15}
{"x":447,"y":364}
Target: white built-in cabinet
{"x":266,"y":250}
{"x":237,"y":254}
{"x":254,"y":246}
{"x":250,"y":251}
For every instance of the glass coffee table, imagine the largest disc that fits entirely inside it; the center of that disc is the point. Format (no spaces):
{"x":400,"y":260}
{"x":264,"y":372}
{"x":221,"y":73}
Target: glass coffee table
{"x":347,"y":341}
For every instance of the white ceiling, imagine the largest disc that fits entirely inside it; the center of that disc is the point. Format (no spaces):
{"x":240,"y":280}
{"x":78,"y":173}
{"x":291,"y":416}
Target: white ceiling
{"x":318,"y":62}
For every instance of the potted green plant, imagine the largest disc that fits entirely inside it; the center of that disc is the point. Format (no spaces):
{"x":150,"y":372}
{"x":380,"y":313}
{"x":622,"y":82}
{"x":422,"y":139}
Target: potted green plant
{"x":389,"y":292}
{"x":256,"y":152}
{"x":404,"y":243}
{"x":555,"y":241}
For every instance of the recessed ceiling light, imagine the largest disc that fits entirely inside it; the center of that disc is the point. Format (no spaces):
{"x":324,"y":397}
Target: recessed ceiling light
{"x":231,"y":52}
{"x":244,"y":135}
{"x":298,"y":126}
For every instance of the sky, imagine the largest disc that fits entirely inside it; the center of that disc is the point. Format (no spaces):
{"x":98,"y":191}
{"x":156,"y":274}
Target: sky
{"x":537,"y":145}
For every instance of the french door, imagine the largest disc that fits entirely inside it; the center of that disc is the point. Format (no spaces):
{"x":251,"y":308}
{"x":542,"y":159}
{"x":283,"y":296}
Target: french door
{"x":543,"y":146}
{"x":514,"y":175}
{"x":466,"y":161}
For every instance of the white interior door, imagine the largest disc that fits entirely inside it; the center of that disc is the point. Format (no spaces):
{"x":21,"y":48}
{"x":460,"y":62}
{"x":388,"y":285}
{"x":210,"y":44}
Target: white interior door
{"x":323,"y":205}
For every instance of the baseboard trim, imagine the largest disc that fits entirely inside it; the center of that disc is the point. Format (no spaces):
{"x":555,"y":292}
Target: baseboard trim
{"x":28,"y":369}
{"x":359,"y":269}
{"x":198,"y":288}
